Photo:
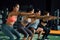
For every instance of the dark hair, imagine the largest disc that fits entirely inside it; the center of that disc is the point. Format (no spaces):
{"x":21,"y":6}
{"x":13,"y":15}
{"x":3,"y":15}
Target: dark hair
{"x":29,"y":9}
{"x":12,"y":5}
{"x":45,"y":12}
{"x":37,"y":10}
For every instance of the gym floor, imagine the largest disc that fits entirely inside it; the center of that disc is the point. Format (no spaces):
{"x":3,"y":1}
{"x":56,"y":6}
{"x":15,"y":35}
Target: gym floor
{"x":51,"y":37}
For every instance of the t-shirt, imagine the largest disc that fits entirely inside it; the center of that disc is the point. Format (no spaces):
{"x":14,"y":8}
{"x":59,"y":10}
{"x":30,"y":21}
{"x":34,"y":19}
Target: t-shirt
{"x":35,"y":24}
{"x":48,"y":23}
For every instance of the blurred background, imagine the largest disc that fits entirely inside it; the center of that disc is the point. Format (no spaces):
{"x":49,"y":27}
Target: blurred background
{"x":51,"y":6}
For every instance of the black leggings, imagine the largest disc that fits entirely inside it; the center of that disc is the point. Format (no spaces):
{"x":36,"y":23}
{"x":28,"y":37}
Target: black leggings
{"x":32,"y":29}
{"x":47,"y":31}
{"x":25,"y":31}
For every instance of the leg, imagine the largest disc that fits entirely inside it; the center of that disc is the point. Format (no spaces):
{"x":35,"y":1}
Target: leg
{"x":23,"y":31}
{"x":8,"y":33}
{"x":44,"y":28}
{"x":46,"y":33}
{"x":39,"y":31}
{"x":29,"y":32}
{"x":16,"y":34}
{"x":33,"y":31}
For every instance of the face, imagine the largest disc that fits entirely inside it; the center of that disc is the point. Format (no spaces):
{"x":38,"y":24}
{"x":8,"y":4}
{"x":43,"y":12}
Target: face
{"x":38,"y":13}
{"x":16,"y":8}
{"x":47,"y":14}
{"x":32,"y":11}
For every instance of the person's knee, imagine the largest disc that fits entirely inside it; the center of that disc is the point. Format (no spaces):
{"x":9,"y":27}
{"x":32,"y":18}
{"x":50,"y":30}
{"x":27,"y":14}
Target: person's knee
{"x":41,"y":29}
{"x":47,"y":31}
{"x":33,"y":31}
{"x":26,"y":35}
{"x":30,"y":34}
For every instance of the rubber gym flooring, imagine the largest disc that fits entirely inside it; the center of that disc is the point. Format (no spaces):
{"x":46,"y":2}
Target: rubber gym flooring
{"x":51,"y":37}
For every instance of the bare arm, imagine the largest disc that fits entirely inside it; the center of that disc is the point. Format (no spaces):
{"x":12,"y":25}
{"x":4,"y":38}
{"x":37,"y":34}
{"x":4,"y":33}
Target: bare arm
{"x":34,"y":16}
{"x":25,"y":14}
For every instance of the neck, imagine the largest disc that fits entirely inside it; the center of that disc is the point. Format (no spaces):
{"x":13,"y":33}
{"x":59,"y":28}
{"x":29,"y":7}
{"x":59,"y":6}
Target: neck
{"x":15,"y":11}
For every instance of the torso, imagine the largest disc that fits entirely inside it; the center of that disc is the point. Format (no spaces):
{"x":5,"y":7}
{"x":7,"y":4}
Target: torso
{"x":43,"y":23}
{"x":35,"y":24}
{"x":12,"y":18}
{"x":24,"y":21}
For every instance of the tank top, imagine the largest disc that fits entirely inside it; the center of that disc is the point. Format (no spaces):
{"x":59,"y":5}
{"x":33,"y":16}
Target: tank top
{"x":12,"y":19}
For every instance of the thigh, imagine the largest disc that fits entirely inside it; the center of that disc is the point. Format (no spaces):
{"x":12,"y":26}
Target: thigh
{"x":46,"y":29}
{"x":23,"y":31}
{"x":7,"y":32}
{"x":40,"y":29}
{"x":28,"y":31}
{"x":32,"y":29}
{"x":15,"y":32}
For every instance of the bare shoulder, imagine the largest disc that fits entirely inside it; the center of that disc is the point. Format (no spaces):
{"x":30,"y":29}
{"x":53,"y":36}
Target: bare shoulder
{"x":10,"y":14}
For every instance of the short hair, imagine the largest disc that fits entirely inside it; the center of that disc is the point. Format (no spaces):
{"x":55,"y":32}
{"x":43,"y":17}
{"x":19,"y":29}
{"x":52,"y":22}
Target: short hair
{"x":37,"y":10}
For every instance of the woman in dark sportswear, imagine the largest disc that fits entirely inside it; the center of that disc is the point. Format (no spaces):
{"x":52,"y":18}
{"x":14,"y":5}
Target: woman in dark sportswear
{"x":45,"y":25}
{"x":7,"y":28}
{"x":22,"y":25}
